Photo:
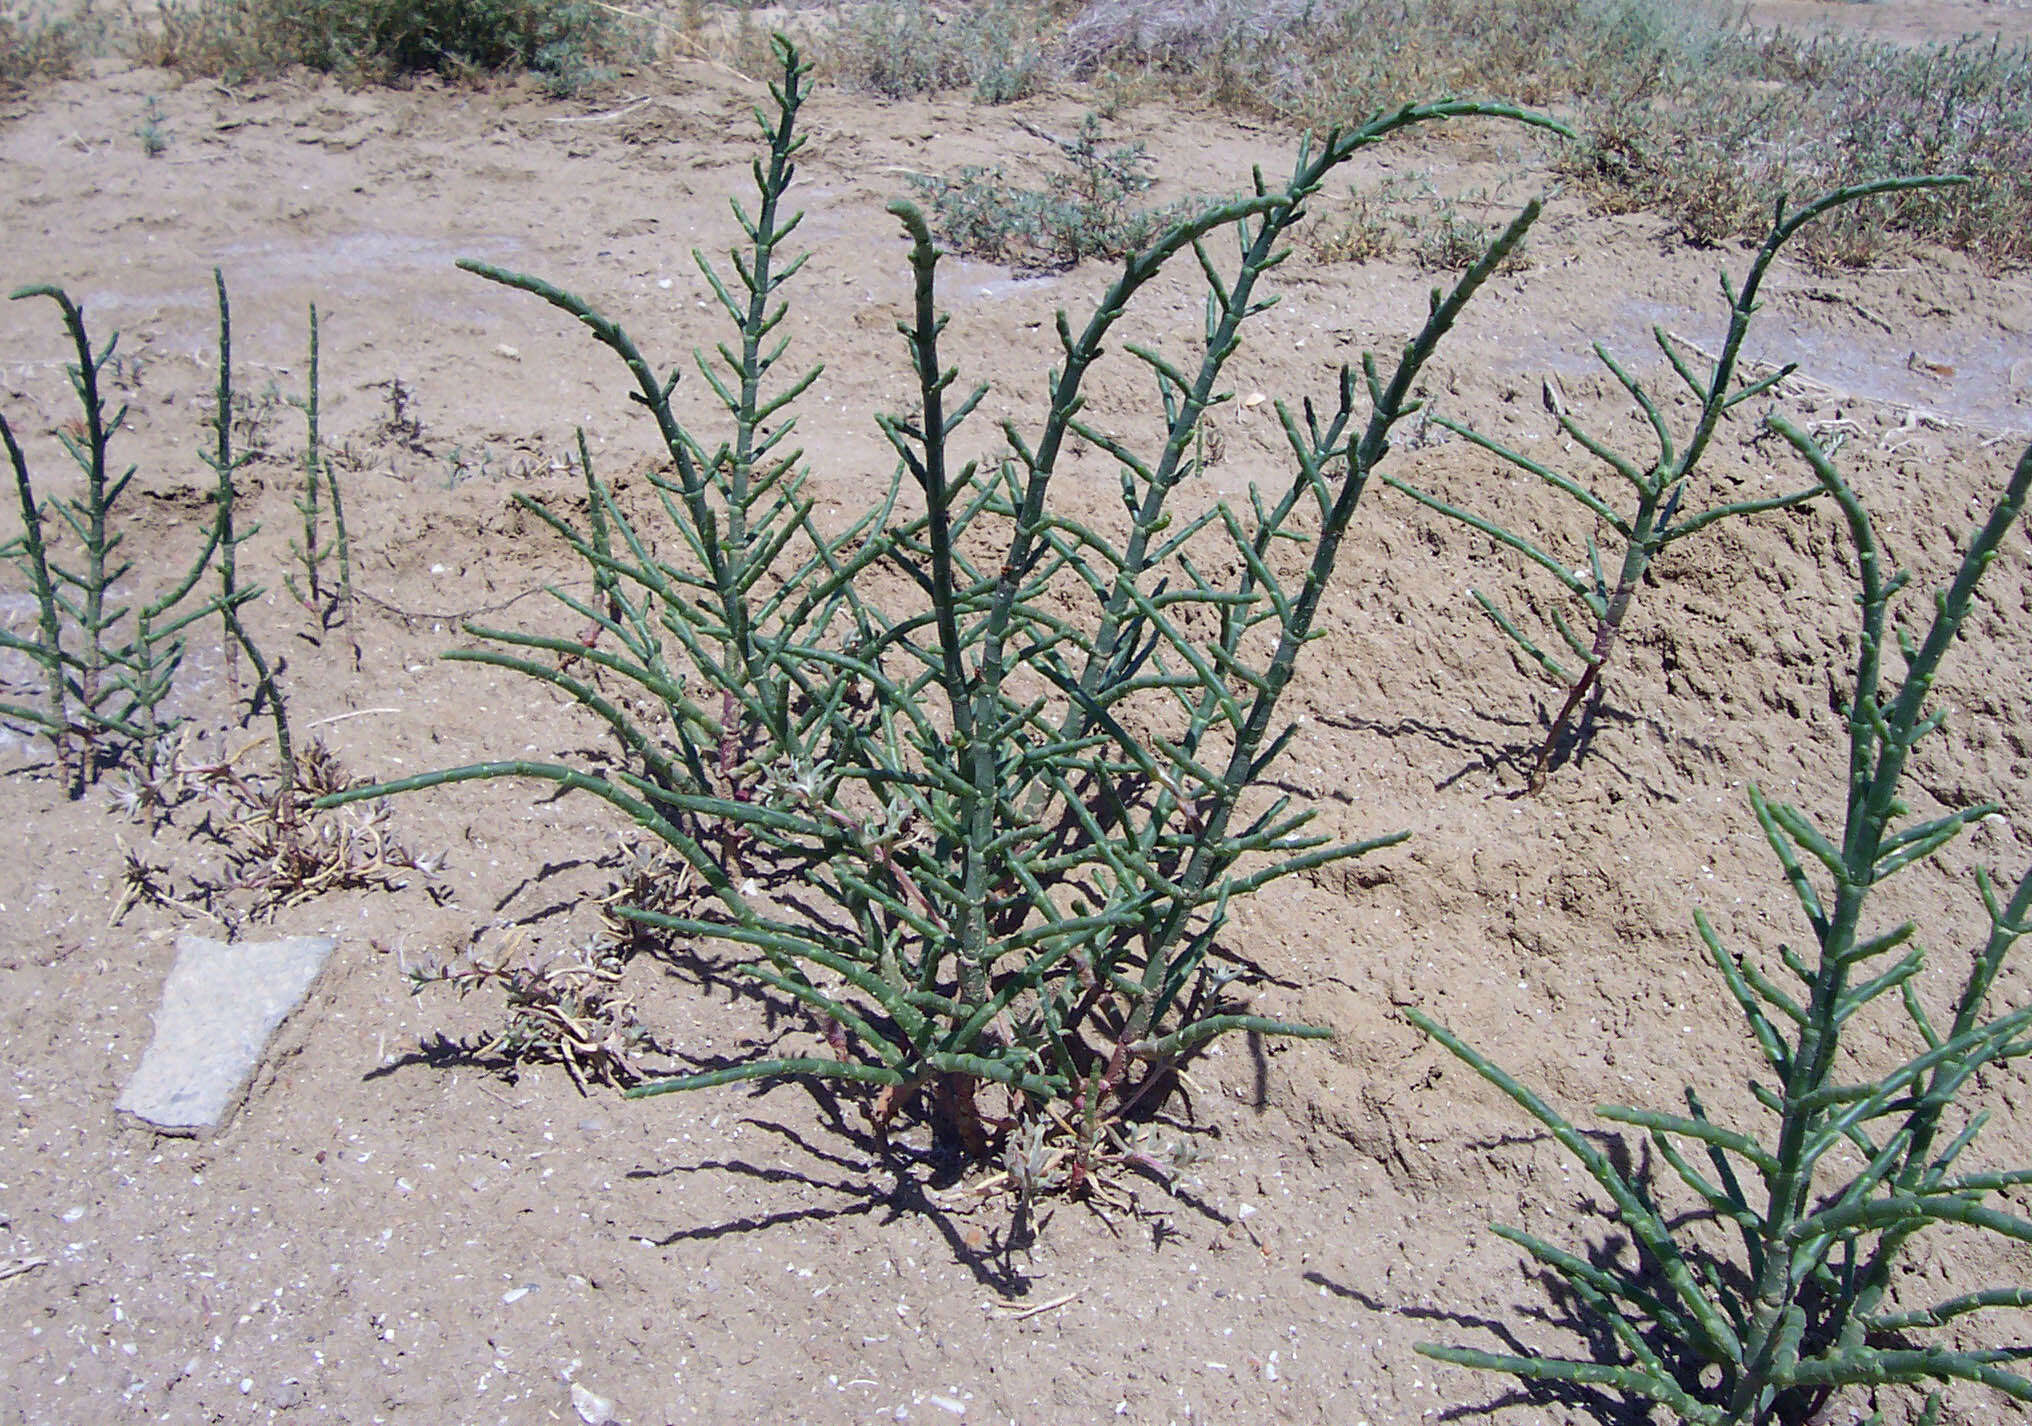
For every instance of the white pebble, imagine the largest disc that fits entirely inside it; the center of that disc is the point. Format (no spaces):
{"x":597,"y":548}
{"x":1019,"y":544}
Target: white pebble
{"x":593,"y":1410}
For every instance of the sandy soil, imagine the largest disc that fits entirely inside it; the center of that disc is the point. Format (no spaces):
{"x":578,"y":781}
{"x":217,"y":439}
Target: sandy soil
{"x":1899,"y":21}
{"x":392,"y":1232}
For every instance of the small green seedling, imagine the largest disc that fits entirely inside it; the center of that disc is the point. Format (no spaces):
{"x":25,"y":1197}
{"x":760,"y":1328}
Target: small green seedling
{"x":327,"y":603}
{"x":154,"y":138}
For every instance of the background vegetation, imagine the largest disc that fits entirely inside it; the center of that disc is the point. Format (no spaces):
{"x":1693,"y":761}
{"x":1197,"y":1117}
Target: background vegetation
{"x":571,"y":43}
{"x":1682,"y":108}
{"x":1685,"y":109}
{"x":38,"y":40}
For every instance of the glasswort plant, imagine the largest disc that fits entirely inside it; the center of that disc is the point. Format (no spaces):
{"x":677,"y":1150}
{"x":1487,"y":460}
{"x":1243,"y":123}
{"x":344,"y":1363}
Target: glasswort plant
{"x":320,"y":483}
{"x":990,"y":837}
{"x":1827,"y":1196}
{"x":104,"y":680}
{"x":1656,"y":519}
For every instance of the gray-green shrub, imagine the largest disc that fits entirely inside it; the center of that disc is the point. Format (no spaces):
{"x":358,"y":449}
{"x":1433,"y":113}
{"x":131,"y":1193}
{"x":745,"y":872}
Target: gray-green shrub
{"x":566,"y":41}
{"x":1086,"y":211}
{"x":896,"y":49}
{"x":903,"y":48}
{"x":1682,"y":108}
{"x":40,"y":41}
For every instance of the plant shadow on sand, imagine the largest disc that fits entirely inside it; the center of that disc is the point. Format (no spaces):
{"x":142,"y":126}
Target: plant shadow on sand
{"x":1551,"y":1305}
{"x":1581,"y":745}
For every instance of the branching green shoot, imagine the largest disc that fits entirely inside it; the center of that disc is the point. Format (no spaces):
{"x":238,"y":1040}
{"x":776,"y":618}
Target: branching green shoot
{"x":331,"y":603}
{"x":1824,"y":1198}
{"x":105,"y":679}
{"x":1659,"y":512}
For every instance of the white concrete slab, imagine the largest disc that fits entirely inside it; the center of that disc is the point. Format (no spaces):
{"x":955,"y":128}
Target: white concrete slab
{"x":220,"y":1005}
